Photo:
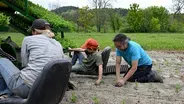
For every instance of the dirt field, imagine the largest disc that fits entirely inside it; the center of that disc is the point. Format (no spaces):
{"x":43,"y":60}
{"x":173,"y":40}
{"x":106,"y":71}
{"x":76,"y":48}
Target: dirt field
{"x":170,"y":65}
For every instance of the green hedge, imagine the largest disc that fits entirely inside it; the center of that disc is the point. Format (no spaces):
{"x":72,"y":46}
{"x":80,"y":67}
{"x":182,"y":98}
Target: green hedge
{"x":39,"y":12}
{"x":21,"y":21}
{"x":4,"y":20}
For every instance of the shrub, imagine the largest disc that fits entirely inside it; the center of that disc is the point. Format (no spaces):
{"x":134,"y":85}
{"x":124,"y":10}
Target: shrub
{"x":4,"y":20}
{"x":65,"y":42}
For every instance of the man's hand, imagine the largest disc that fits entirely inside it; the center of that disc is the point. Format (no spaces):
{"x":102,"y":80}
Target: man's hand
{"x":120,"y":83}
{"x":97,"y":82}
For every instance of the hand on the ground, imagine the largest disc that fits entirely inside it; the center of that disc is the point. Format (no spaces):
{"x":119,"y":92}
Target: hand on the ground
{"x":97,"y":82}
{"x":120,"y":83}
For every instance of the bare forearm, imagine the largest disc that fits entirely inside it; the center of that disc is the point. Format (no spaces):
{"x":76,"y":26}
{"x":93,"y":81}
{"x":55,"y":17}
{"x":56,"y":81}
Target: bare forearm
{"x":77,"y":49}
{"x":118,"y":63}
{"x":100,"y":72}
{"x":117,"y":71}
{"x":129,"y":74}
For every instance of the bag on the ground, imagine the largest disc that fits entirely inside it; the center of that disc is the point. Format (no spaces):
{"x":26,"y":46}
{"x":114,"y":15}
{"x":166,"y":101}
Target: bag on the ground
{"x":11,"y":51}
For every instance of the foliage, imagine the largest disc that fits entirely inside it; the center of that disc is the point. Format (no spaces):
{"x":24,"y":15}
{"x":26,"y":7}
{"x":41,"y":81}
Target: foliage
{"x":39,"y":12}
{"x":178,"y":87}
{"x":95,"y":100}
{"x":155,"y":26}
{"x":21,"y":22}
{"x":106,"y":17}
{"x":84,"y":17}
{"x":136,"y":85}
{"x":1,"y":40}
{"x":176,"y":26}
{"x":65,"y":9}
{"x":65,"y":42}
{"x":124,"y":101}
{"x":4,"y":20}
{"x":160,"y":13}
{"x":73,"y":98}
{"x":150,"y":19}
{"x":115,"y":20}
{"x":135,"y":17}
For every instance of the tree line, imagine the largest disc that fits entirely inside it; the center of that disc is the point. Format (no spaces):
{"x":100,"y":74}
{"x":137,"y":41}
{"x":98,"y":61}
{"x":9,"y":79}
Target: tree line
{"x":103,"y":18}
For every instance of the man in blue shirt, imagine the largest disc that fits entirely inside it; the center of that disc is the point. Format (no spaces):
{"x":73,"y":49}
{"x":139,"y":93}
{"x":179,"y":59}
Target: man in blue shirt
{"x":139,"y":61}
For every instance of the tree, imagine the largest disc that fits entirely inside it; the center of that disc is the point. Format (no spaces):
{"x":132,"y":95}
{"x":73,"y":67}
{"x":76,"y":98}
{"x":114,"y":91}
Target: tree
{"x":85,"y":16}
{"x":135,"y":17}
{"x":161,"y":13}
{"x":100,"y":11}
{"x":54,"y":5}
{"x":115,"y":20}
{"x":177,"y":6}
{"x":155,"y":26}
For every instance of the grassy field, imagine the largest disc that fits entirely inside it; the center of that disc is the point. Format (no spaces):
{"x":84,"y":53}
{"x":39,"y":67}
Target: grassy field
{"x":149,"y":41}
{"x":16,"y":37}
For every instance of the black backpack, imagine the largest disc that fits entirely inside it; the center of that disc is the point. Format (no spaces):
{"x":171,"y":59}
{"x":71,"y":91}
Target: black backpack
{"x":11,"y":51}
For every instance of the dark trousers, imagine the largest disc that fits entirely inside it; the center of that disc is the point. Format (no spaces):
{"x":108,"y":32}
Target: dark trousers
{"x":142,"y":74}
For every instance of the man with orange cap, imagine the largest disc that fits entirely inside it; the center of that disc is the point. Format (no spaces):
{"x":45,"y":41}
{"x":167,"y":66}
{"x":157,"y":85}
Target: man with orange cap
{"x":92,"y":64}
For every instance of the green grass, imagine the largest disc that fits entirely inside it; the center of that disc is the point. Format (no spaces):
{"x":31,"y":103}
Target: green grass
{"x":73,"y":98}
{"x":16,"y":37}
{"x":149,"y":41}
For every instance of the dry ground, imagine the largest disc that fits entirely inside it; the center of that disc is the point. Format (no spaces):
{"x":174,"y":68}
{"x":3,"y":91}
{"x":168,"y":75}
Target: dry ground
{"x":170,"y":65}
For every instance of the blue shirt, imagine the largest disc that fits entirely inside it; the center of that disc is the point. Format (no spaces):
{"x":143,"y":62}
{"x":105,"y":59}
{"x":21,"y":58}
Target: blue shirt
{"x":134,"y":52}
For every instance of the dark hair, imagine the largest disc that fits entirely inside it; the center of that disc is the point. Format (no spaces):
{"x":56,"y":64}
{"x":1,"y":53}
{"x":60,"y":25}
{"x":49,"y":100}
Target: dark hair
{"x":120,"y":38}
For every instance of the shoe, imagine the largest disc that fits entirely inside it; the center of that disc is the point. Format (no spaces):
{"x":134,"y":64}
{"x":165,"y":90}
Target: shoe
{"x":156,"y":77}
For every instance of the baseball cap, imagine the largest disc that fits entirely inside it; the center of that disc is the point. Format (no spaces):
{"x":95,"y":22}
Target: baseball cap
{"x":90,"y":44}
{"x":39,"y":24}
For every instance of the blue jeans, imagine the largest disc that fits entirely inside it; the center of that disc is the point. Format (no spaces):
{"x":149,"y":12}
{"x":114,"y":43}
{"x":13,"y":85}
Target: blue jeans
{"x":11,"y":80}
{"x":77,"y":55}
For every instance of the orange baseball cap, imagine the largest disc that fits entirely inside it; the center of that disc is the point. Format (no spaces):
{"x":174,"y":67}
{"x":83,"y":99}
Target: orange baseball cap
{"x":90,"y":44}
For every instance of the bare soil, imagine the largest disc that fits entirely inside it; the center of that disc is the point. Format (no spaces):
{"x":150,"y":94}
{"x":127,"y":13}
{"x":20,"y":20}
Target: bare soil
{"x":170,"y":65}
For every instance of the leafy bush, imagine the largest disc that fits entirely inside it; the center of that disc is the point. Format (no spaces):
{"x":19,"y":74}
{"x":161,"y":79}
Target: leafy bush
{"x":4,"y":20}
{"x":155,"y":26}
{"x":65,"y":42}
{"x":176,"y":26}
{"x":37,"y":11}
{"x":21,"y":22}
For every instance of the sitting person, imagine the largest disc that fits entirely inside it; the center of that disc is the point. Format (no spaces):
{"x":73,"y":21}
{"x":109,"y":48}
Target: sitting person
{"x":37,"y":50}
{"x":92,"y":64}
{"x":139,"y":61}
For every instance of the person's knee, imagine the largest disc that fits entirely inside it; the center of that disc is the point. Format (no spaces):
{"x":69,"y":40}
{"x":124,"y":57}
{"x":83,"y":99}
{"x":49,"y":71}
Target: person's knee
{"x":22,"y":91}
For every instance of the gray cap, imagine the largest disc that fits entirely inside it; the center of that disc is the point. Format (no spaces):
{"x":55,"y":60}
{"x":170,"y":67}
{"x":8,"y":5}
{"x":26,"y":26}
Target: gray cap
{"x":39,"y":24}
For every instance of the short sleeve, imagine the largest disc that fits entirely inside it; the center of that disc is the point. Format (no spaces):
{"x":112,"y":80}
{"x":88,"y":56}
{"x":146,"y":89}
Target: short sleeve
{"x":136,"y":55}
{"x":118,"y":52}
{"x":99,"y":60}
